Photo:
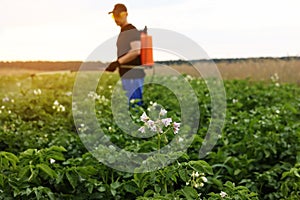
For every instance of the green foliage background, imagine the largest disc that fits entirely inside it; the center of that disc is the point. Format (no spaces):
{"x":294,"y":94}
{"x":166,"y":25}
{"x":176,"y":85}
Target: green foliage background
{"x":42,"y":157}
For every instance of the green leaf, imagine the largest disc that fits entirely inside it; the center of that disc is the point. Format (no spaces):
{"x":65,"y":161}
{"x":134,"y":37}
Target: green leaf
{"x":183,"y":175}
{"x":229,"y":169}
{"x":141,"y":180}
{"x":45,"y":168}
{"x":157,"y":188}
{"x":56,"y":156}
{"x":58,"y":148}
{"x":50,"y":194}
{"x":4,"y":163}
{"x":2,"y":180}
{"x":115,"y":185}
{"x":285,"y":174}
{"x":237,"y":171}
{"x":56,"y":153}
{"x":24,"y":172}
{"x":37,"y":193}
{"x":148,"y":146}
{"x":217,"y":182}
{"x":190,"y":193}
{"x":101,"y":189}
{"x":113,"y":192}
{"x":201,"y":166}
{"x":284,"y":188}
{"x":10,"y":158}
{"x":33,"y":172}
{"x":229,"y":185}
{"x":291,"y":108}
{"x":86,"y":170}
{"x":60,"y":177}
{"x":28,"y":191}
{"x":90,"y":188}
{"x":298,"y":157}
{"x":28,"y":152}
{"x":296,"y":173}
{"x":173,"y":177}
{"x":72,"y":178}
{"x":131,"y":187}
{"x":149,"y":193}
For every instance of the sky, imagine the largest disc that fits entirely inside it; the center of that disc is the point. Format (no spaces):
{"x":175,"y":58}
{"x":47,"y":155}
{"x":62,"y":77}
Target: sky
{"x":70,"y":30}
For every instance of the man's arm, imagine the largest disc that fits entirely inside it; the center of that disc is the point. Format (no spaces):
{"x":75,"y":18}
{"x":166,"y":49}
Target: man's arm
{"x":134,"y":52}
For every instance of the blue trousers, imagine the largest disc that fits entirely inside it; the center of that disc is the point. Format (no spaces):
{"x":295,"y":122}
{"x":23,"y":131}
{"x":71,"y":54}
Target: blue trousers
{"x":134,"y":89}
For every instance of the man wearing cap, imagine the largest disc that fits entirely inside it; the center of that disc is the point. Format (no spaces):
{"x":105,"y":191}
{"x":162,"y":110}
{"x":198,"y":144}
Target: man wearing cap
{"x":128,"y":52}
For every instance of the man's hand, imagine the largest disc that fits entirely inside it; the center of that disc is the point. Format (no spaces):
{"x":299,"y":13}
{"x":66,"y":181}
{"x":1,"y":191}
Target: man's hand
{"x":113,"y":66}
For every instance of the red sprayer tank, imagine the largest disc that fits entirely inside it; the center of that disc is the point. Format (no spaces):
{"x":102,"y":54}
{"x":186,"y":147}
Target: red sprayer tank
{"x":146,"y":49}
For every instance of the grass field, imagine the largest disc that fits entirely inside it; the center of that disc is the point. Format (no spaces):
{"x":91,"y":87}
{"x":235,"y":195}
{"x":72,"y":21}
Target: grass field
{"x":257,"y":154}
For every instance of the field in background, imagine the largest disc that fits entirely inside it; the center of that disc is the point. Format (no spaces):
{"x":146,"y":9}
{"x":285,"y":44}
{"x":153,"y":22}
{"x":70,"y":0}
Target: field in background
{"x":33,"y":67}
{"x":256,"y":69}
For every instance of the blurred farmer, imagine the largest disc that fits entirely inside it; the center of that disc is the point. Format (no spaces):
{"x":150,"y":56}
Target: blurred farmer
{"x":128,"y":53}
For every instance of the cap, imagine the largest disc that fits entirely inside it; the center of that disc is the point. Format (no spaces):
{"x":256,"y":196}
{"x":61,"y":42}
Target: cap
{"x":118,"y":9}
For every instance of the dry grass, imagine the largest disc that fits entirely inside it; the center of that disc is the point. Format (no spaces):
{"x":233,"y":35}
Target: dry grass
{"x":252,"y":69}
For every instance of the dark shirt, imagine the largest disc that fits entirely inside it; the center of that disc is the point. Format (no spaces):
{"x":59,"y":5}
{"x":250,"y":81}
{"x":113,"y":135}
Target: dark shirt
{"x":127,"y":35}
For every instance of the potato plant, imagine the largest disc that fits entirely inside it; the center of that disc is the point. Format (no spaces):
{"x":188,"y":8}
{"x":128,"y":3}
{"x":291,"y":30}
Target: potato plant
{"x":42,"y":157}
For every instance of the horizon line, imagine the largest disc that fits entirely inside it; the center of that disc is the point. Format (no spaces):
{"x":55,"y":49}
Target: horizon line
{"x":181,"y":60}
